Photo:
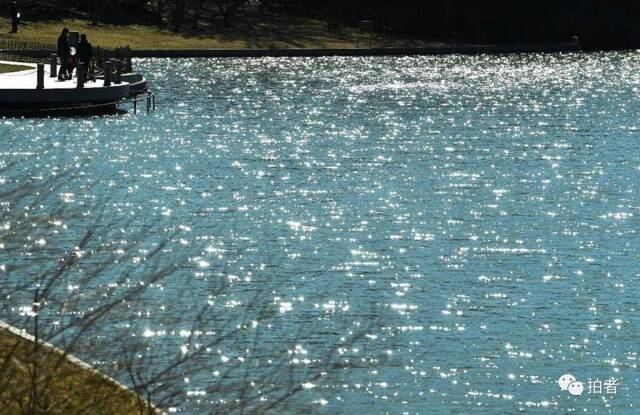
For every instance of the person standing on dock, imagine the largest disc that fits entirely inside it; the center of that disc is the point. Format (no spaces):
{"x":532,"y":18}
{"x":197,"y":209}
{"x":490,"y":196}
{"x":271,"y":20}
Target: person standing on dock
{"x":15,"y":17}
{"x":63,"y":54}
{"x":85,"y":54}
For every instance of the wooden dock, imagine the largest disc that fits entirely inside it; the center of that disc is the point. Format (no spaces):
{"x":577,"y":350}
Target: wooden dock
{"x":23,"y":92}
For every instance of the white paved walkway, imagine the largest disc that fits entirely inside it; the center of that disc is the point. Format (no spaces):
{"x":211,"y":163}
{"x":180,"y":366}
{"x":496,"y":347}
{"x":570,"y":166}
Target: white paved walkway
{"x":27,"y":79}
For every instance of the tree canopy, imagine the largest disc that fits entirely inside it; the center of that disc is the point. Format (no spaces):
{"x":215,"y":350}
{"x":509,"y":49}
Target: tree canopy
{"x":597,"y":22}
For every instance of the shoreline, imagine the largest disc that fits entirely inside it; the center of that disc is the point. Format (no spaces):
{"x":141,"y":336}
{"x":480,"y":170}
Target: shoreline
{"x":329,"y":52}
{"x":71,"y":358}
{"x":326,"y":52}
{"x":78,"y":363}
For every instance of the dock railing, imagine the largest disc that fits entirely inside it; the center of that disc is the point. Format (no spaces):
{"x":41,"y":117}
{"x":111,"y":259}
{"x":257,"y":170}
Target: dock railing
{"x":22,"y":51}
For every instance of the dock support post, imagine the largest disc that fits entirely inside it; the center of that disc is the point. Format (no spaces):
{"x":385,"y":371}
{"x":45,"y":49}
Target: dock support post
{"x":153,"y":99}
{"x":107,"y":73}
{"x":81,"y":76}
{"x":148,"y":104}
{"x":90,"y":71}
{"x":135,"y":106}
{"x":40,"y":73}
{"x":118,"y":65}
{"x":53,"y":65}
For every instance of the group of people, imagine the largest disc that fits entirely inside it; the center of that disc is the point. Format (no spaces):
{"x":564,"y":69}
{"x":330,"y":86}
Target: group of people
{"x":70,"y":57}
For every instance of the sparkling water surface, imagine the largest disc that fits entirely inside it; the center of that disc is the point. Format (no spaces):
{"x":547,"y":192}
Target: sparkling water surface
{"x":483,"y":209}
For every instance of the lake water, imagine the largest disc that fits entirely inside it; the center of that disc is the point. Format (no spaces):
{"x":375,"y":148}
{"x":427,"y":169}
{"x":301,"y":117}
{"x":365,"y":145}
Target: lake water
{"x":477,"y":216}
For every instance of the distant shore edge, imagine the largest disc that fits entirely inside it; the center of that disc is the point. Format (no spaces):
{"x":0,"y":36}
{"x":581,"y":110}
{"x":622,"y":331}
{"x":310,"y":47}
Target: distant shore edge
{"x":321,"y":52}
{"x":435,"y":50}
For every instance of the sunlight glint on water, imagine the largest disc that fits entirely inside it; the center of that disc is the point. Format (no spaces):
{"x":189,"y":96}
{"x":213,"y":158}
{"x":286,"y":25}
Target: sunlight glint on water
{"x":485,"y":208}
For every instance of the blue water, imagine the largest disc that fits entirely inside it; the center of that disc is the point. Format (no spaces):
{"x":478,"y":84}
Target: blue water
{"x":474,"y":217}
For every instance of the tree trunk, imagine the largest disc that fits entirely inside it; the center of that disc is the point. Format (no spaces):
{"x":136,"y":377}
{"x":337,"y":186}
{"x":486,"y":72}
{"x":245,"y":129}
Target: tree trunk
{"x":95,"y":12}
{"x":197,"y":12}
{"x":159,"y":9}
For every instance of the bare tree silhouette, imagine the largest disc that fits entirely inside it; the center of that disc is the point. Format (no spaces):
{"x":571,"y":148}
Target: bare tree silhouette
{"x":80,"y":279}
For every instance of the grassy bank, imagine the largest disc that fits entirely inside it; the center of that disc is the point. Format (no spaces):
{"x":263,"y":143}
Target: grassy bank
{"x":252,"y":32}
{"x":60,"y":386}
{"x":4,"y":68}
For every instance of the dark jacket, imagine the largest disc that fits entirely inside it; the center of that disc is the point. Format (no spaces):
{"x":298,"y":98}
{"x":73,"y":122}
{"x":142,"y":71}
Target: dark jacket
{"x":14,"y":12}
{"x":63,"y":46}
{"x":85,"y":51}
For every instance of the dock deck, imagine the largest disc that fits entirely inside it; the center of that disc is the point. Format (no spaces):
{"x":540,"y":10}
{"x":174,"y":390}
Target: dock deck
{"x":18,"y":91}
